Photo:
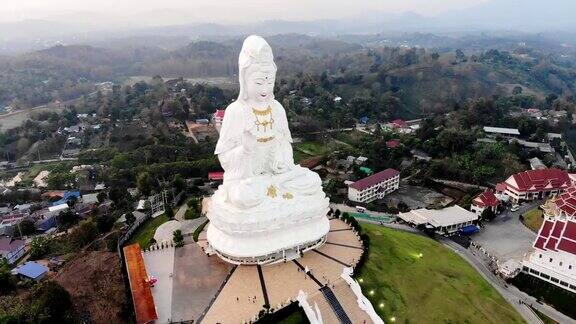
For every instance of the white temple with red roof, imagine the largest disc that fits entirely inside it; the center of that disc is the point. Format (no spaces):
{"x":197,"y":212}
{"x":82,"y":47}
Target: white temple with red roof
{"x":554,"y":255}
{"x":535,"y":184}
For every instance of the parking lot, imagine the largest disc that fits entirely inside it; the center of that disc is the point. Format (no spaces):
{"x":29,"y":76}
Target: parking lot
{"x":417,"y":196}
{"x":506,"y":237}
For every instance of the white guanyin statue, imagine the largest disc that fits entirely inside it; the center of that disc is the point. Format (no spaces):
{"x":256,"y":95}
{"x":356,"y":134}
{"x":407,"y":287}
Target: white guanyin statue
{"x":268,"y":208}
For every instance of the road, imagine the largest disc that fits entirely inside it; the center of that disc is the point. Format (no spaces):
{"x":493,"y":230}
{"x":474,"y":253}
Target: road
{"x":6,"y":124}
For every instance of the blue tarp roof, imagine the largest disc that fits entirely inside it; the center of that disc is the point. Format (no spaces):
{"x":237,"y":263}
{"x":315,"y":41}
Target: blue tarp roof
{"x":32,"y":270}
{"x":47,"y":223}
{"x":470,"y":229}
{"x":67,"y":196}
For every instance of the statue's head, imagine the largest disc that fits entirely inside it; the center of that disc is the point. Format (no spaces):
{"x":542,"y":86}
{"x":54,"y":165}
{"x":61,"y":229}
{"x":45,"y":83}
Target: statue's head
{"x":257,"y":71}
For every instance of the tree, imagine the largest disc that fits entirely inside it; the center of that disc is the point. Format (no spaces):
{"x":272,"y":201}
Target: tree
{"x":517,"y":90}
{"x":488,"y":214}
{"x":85,"y":233}
{"x":178,"y":238}
{"x":67,"y":218}
{"x":178,"y":182}
{"x":27,"y":227}
{"x":460,"y":57}
{"x":105,"y":223}
{"x":169,"y":210}
{"x":144,"y":183}
{"x":101,"y":196}
{"x":7,"y":280}
{"x":130,"y":218}
{"x":39,"y":247}
{"x":51,"y":303}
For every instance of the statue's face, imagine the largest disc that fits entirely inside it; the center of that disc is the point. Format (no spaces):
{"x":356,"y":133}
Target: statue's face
{"x":260,"y":83}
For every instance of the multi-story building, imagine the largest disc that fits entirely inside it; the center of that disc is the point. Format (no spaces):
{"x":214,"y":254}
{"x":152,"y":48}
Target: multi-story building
{"x":375,"y":186}
{"x":535,"y":184}
{"x":554,"y":255}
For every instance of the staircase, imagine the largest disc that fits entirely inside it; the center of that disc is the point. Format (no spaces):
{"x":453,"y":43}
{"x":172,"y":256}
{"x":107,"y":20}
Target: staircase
{"x":335,"y":305}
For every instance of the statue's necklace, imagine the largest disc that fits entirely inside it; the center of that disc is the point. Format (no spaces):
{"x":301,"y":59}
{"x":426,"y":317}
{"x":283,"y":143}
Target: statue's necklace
{"x":263,"y":118}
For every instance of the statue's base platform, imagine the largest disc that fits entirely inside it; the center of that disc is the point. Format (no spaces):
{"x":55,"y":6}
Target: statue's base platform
{"x":277,"y":230}
{"x":193,"y":286}
{"x":268,"y":248}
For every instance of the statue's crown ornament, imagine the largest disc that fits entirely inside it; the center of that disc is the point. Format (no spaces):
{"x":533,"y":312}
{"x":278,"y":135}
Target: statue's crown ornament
{"x":255,"y":50}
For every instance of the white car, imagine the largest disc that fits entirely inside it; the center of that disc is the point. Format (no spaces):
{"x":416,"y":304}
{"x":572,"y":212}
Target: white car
{"x":515,"y":208}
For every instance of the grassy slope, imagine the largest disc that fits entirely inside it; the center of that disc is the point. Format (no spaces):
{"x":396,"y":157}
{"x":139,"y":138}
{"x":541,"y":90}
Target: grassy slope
{"x":146,"y":231}
{"x":439,"y":287}
{"x":533,"y":219}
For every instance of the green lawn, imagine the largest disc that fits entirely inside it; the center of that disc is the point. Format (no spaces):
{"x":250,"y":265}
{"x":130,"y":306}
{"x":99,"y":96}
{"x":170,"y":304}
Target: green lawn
{"x":147,"y":230}
{"x":438,"y":287}
{"x":533,"y":219}
{"x":314,"y":148}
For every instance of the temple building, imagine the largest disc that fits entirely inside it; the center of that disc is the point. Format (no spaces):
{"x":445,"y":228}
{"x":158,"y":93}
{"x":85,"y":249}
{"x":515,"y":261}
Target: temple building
{"x":375,"y":186}
{"x":554,"y":255}
{"x":535,"y":184}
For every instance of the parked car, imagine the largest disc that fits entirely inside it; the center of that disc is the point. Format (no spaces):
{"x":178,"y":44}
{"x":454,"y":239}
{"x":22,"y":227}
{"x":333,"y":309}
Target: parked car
{"x":515,"y":208}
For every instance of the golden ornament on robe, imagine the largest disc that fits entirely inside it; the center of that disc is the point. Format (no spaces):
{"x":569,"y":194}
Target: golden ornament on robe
{"x":271,"y":192}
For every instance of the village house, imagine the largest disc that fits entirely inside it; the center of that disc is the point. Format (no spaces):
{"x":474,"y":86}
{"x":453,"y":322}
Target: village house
{"x":487,"y":199}
{"x":11,"y":249}
{"x":375,"y":186}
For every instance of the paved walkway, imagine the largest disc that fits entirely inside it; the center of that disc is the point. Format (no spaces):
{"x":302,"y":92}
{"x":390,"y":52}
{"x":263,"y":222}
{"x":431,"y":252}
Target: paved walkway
{"x":248,"y":289}
{"x":179,"y":216}
{"x":159,"y":264}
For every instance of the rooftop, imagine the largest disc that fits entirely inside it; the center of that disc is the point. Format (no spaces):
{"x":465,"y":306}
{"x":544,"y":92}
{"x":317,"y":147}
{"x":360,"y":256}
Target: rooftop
{"x":8,"y":244}
{"x":374,"y":179}
{"x":539,"y":180}
{"x":440,"y":217}
{"x":566,"y":202}
{"x":501,"y":130}
{"x":486,"y":199}
{"x":31,"y":270}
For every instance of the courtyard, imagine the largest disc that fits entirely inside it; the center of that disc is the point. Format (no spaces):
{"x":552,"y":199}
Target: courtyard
{"x":506,"y":237}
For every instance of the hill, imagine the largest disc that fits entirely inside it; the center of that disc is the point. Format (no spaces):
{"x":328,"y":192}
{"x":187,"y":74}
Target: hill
{"x":417,"y":280}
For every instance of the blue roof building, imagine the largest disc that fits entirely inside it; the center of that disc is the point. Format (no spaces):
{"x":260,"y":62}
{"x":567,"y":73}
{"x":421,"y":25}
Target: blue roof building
{"x":32,"y":270}
{"x":67,"y":196}
{"x":47,"y":223}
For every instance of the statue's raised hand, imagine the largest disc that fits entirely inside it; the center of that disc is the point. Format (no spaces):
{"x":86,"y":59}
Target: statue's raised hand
{"x":249,"y":142}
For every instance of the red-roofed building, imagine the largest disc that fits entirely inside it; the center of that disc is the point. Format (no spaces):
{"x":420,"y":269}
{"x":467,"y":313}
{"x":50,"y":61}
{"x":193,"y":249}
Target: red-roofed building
{"x":399,"y":123}
{"x":219,"y":116}
{"x":554,"y":255}
{"x":375,"y":186}
{"x":536,"y":184}
{"x":392,"y":143}
{"x":487,"y":199}
{"x":216,"y":176}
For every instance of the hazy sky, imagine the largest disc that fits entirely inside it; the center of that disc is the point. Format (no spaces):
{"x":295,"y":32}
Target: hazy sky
{"x":224,"y":10}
